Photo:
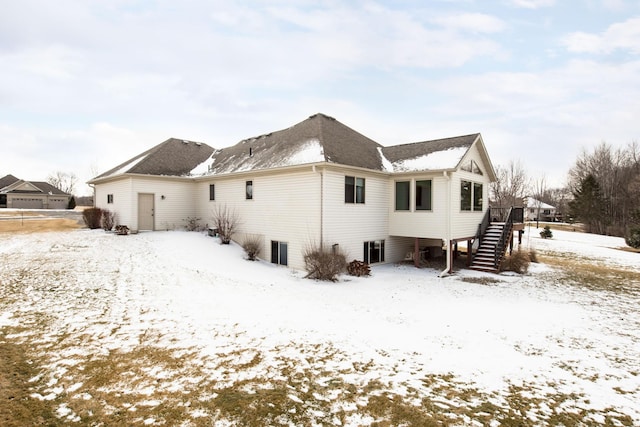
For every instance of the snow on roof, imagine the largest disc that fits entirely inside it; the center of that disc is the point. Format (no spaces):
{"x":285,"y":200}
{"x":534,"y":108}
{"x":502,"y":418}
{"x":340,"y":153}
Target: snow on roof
{"x":386,"y":164}
{"x":124,"y":168}
{"x":445,"y":159}
{"x":309,"y":152}
{"x":535,"y":203}
{"x":201,"y":169}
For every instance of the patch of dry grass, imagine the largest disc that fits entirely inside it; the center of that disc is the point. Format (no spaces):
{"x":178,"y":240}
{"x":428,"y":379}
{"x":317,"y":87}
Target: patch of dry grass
{"x":150,"y":385}
{"x":17,"y":407}
{"x":38,"y":225}
{"x":592,"y":275}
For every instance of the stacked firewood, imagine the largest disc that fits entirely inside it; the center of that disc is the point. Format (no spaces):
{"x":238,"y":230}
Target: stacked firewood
{"x":122,"y":230}
{"x":358,"y":268}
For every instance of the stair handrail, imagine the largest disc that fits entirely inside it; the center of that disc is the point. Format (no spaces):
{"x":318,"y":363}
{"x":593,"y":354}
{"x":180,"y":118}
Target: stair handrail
{"x":506,"y":232}
{"x":482,"y":227}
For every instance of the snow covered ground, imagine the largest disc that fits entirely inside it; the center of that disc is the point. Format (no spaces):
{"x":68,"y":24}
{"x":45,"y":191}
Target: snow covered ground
{"x":79,"y":296}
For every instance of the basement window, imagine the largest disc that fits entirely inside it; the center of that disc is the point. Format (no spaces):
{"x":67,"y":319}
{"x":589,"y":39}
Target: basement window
{"x":279,"y":252}
{"x":374,"y":251}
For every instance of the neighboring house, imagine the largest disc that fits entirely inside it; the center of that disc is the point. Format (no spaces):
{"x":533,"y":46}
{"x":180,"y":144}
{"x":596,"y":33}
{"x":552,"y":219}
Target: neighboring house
{"x":19,"y":194}
{"x":316,"y":183}
{"x":535,"y":210}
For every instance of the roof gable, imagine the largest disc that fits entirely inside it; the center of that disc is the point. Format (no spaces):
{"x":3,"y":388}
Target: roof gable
{"x":319,"y":138}
{"x":438,"y":154}
{"x":173,"y":157}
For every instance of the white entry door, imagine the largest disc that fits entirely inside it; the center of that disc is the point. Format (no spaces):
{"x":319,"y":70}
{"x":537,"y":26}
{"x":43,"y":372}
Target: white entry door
{"x":145,"y":211}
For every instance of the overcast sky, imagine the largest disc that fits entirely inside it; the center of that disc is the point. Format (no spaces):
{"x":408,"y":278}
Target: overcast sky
{"x":86,"y":85}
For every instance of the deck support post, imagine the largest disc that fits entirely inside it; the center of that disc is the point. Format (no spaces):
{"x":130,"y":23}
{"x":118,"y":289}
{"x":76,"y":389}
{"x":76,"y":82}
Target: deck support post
{"x":469,"y":252}
{"x":416,"y":253}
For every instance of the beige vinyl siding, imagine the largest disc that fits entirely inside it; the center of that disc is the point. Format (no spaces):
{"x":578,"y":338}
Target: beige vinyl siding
{"x":412,"y":223}
{"x":122,"y":202}
{"x":465,"y":223}
{"x":172,"y":212}
{"x":351,"y":224}
{"x":285,"y":208}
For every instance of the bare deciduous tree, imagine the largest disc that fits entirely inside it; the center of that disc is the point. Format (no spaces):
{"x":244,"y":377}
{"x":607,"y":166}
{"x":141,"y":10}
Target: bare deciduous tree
{"x":63,"y":181}
{"x":539,"y":188}
{"x":511,"y":185}
{"x":226,"y":220}
{"x":616,"y":173}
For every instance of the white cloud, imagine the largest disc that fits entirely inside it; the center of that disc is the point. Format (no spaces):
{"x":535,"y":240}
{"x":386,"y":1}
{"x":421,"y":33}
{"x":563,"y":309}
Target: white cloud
{"x":472,"y":22}
{"x":620,"y":36}
{"x":36,"y":153}
{"x":532,"y":4}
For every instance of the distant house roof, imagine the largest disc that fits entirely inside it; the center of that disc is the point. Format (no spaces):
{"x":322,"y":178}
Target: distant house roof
{"x":173,"y":157}
{"x":535,"y":203}
{"x":11,"y":184}
{"x":7,"y":180}
{"x":319,"y":138}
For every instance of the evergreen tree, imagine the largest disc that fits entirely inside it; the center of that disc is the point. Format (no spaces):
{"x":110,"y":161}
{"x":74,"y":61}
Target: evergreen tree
{"x":588,"y":205}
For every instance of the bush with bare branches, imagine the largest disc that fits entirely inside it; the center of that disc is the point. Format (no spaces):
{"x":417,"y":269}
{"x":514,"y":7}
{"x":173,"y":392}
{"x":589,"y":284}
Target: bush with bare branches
{"x":252,"y":246}
{"x":92,"y":217}
{"x":226,"y":220}
{"x":108,"y":220}
{"x":518,"y":262}
{"x":322,"y":264}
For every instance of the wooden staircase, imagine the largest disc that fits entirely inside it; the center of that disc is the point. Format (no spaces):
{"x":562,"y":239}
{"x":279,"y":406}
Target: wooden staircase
{"x":492,"y":247}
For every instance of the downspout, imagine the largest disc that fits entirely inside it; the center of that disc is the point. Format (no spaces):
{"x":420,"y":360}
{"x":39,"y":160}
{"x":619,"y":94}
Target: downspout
{"x":313,"y":168}
{"x":447,"y":241}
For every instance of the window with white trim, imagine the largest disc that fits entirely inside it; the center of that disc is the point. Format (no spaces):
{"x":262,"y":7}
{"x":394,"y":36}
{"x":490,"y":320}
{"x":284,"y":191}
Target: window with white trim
{"x":471,"y":196}
{"x":249,"y":190}
{"x":402,"y":195}
{"x":353,"y":189}
{"x":423,"y":195}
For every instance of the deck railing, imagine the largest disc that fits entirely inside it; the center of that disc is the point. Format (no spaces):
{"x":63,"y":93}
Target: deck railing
{"x":500,"y":214}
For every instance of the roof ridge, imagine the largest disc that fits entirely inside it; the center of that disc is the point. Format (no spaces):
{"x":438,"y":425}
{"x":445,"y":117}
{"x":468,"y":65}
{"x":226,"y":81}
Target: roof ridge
{"x":437,"y":139}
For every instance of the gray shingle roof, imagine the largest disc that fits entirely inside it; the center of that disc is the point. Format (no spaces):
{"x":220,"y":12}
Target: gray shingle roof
{"x":437,"y":154}
{"x":322,"y":138}
{"x":173,"y":157}
{"x":397,"y":153}
{"x":7,"y":180}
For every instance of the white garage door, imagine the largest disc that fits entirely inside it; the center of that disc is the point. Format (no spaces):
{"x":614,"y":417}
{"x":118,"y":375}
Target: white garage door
{"x":27,"y":203}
